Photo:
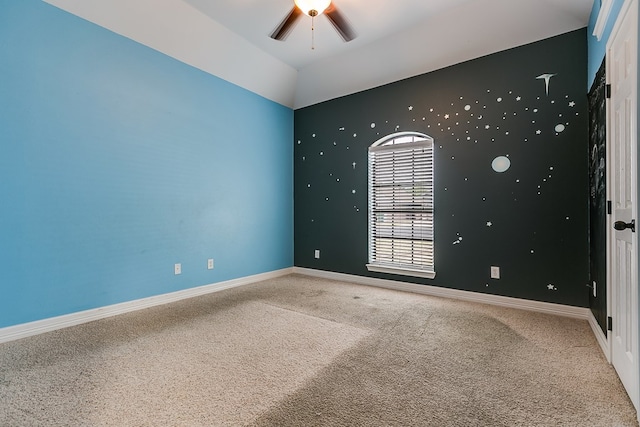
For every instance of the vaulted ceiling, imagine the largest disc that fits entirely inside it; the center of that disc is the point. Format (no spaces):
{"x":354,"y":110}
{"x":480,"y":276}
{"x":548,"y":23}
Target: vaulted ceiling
{"x":396,"y":40}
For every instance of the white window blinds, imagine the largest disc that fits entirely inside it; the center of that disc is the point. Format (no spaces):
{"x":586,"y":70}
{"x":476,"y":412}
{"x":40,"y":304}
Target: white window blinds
{"x":401,"y":205}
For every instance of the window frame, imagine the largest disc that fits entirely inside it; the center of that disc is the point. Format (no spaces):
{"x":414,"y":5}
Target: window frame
{"x":410,"y":145}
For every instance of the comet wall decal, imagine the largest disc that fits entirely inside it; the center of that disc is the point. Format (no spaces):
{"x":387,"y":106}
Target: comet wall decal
{"x":546,"y":78}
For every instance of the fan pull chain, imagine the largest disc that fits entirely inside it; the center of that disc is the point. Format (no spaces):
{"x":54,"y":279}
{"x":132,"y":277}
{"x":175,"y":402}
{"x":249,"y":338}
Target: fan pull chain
{"x":313,"y":39}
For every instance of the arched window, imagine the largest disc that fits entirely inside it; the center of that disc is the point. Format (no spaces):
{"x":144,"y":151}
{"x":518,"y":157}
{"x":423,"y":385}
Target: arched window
{"x":401,"y":205}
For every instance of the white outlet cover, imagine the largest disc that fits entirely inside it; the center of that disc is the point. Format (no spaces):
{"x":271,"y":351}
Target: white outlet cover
{"x":210,"y":263}
{"x":317,"y":254}
{"x":177,"y":269}
{"x":495,"y":272}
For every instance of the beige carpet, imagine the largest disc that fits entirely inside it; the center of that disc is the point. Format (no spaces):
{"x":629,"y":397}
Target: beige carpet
{"x":297,"y":351}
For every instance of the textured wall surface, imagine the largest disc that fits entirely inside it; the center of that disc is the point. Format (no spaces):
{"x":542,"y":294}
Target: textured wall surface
{"x":598,"y":198}
{"x":525,"y":108}
{"x":118,"y":161}
{"x":597,"y":48}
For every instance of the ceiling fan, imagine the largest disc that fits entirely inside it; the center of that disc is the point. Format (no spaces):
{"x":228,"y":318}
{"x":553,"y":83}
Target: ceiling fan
{"x":314,"y":8}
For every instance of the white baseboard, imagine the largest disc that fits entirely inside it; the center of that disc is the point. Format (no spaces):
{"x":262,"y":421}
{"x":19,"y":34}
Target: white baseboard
{"x":46,"y":325}
{"x":601,"y":337}
{"x":522,"y":304}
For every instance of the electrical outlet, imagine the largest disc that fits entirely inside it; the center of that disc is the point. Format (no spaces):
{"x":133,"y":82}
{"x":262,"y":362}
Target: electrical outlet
{"x":317,"y":254}
{"x":495,"y":272}
{"x":210,"y":264}
{"x":177,"y":269}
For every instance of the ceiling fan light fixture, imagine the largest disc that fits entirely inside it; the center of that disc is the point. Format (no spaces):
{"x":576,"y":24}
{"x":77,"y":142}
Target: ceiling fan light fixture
{"x":312,"y":7}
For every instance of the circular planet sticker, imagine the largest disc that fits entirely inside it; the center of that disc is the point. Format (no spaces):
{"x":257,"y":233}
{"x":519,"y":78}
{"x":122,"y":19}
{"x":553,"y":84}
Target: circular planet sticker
{"x":501,"y":164}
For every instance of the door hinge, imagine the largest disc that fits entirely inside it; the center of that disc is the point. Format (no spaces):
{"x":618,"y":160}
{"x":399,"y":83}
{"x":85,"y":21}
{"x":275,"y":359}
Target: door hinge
{"x":609,"y":207}
{"x":607,"y":90}
{"x":609,"y":323}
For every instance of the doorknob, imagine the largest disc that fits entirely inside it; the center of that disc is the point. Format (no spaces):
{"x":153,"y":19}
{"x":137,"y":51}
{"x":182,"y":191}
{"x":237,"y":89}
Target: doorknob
{"x":621,"y":225}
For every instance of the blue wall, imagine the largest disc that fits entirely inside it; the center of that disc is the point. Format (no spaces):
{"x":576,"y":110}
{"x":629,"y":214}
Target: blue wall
{"x":597,"y":48}
{"x":117,"y":162}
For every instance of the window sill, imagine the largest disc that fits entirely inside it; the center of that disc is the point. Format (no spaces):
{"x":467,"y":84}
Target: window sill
{"x":402,"y":271}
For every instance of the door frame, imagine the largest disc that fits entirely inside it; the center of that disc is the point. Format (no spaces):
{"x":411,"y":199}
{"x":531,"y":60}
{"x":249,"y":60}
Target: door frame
{"x":628,"y":7}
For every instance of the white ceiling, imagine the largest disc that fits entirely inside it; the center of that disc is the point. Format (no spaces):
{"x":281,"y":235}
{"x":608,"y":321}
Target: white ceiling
{"x":396,"y":39}
{"x":372,"y":19}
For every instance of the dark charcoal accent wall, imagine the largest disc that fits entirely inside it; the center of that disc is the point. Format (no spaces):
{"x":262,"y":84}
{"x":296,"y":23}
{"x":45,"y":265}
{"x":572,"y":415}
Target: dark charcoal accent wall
{"x":531,"y":220}
{"x":598,"y":197}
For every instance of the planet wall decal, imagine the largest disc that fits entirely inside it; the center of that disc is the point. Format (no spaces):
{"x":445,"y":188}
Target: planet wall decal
{"x":501,"y":164}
